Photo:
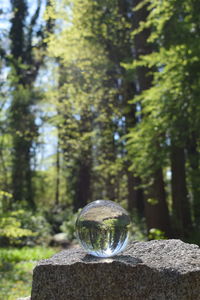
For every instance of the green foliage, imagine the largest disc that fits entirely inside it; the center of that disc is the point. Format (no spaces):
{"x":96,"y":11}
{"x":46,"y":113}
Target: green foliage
{"x":137,"y":228}
{"x":21,"y":227}
{"x":89,"y":50}
{"x":11,"y":227}
{"x":152,"y":201}
{"x":16,"y":270}
{"x":68,"y":225}
{"x":15,"y":255}
{"x":169,"y":108}
{"x":5,"y":200}
{"x":104,"y":127}
{"x":38,"y":224}
{"x":156,"y":234}
{"x":5,"y":151}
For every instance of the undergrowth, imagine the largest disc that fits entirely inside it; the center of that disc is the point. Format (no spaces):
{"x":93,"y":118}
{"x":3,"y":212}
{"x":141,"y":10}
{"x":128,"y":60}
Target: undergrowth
{"x":16,"y":266}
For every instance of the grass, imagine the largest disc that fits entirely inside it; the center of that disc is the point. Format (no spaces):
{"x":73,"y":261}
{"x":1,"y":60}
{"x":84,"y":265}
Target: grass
{"x":16,"y":266}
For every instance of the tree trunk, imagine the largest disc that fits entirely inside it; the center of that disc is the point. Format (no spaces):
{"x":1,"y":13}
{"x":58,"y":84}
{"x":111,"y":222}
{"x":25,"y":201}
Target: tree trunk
{"x":110,"y":156}
{"x":23,"y":131}
{"x":57,"y":193}
{"x":82,"y":186}
{"x":83,"y":168}
{"x":193,"y":156}
{"x":180,"y":200}
{"x":135,"y":192}
{"x":156,"y":210}
{"x":157,"y":215}
{"x":24,"y":67}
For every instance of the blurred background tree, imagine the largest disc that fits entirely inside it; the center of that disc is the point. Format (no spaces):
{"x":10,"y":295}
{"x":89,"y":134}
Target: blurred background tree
{"x":99,"y":100}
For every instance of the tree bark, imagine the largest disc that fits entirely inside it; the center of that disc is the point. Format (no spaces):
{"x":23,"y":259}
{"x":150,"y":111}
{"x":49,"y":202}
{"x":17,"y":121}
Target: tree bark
{"x":193,"y":157}
{"x":57,"y":193}
{"x":83,"y":168}
{"x":157,"y":215}
{"x":180,"y":199}
{"x":135,"y":192}
{"x":24,"y":67}
{"x":156,"y":210}
{"x":82,"y":186}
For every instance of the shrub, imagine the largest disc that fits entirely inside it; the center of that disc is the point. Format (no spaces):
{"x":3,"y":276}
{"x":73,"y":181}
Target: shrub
{"x":156,"y":234}
{"x":38,"y":224}
{"x":11,"y":229}
{"x":68,"y":226}
{"x":22,"y":227}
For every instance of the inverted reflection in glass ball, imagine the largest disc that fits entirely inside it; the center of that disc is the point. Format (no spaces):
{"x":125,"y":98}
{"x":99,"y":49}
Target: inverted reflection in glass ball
{"x":102,"y":228}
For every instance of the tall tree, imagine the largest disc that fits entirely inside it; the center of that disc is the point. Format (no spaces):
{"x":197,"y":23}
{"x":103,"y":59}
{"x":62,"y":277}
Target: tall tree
{"x":27,"y":46}
{"x":156,"y":209}
{"x":171,"y":102}
{"x":95,"y":76}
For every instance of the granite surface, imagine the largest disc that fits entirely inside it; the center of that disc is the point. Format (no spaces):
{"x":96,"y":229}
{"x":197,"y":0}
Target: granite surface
{"x":154,"y":270}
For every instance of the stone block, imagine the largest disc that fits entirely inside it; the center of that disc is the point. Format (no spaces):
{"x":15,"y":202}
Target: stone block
{"x":154,"y":270}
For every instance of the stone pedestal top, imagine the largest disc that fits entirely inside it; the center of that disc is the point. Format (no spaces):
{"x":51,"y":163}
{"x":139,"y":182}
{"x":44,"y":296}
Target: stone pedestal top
{"x":159,"y":270}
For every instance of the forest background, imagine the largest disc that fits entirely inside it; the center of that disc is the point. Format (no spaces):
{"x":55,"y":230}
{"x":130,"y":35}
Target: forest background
{"x":98,"y":100}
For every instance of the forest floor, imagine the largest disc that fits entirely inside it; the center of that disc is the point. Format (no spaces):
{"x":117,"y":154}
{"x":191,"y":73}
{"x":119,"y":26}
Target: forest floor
{"x":16,"y":269}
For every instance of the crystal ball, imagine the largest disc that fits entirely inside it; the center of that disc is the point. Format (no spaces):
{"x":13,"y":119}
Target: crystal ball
{"x":102,"y":228}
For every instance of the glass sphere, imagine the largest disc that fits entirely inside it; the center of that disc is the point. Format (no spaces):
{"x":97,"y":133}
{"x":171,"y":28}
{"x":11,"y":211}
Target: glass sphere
{"x":102,"y":228}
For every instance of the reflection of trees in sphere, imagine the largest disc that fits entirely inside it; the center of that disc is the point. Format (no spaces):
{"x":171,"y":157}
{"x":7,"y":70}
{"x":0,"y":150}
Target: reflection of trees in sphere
{"x":102,"y":228}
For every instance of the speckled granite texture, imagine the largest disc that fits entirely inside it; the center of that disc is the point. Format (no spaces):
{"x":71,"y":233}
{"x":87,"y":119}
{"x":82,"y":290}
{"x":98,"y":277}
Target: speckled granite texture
{"x":155,"y":270}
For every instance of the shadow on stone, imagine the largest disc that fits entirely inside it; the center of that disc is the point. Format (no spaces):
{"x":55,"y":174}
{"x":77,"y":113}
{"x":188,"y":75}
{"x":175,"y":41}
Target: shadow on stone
{"x":128,"y":259}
